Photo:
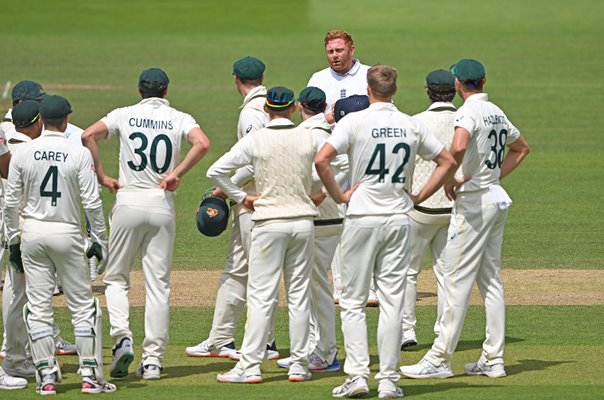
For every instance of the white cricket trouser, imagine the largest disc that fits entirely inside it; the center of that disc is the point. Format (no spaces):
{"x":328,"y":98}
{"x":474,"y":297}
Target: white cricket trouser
{"x":149,"y":229}
{"x":423,"y":236}
{"x":278,"y":247}
{"x":14,"y":326}
{"x":377,"y":245}
{"x":473,"y":253}
{"x":49,"y":248}
{"x":230,"y":299}
{"x":322,"y":339}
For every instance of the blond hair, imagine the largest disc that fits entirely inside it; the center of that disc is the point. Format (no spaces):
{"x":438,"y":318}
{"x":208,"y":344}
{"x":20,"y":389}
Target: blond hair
{"x":337,"y":34}
{"x":382,"y":80}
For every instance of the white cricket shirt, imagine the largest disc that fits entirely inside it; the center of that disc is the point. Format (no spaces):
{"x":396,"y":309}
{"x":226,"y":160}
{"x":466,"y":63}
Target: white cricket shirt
{"x":490,"y":130}
{"x":151,"y":133}
{"x":52,"y":176}
{"x":338,"y":86}
{"x":382,"y":143}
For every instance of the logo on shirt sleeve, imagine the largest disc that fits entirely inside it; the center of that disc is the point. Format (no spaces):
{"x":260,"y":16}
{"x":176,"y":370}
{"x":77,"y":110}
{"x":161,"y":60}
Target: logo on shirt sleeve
{"x":249,"y":128}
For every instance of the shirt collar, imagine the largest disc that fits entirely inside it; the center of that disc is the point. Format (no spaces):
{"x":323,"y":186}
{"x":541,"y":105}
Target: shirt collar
{"x":441,"y":104}
{"x":47,"y":132}
{"x":316,"y":121}
{"x":20,"y":137}
{"x":155,"y":101}
{"x":255,"y":92}
{"x":478,"y":97}
{"x":356,"y":65}
{"x":380,"y":105}
{"x":279,"y":122}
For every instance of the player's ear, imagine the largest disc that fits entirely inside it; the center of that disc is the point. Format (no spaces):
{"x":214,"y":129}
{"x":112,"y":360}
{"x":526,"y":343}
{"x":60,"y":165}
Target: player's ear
{"x":166,"y":91}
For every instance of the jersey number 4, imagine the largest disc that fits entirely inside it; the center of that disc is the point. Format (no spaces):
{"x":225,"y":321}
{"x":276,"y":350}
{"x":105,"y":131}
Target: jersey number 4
{"x":52,"y":175}
{"x":380,"y":154}
{"x":144,"y":142}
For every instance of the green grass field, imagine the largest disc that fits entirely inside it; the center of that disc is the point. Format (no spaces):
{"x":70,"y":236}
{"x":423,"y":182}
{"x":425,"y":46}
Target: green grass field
{"x":544,"y":68}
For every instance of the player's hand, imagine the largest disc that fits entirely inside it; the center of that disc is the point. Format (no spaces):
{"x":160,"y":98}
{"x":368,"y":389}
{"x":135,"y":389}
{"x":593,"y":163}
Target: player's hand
{"x":318,"y":197}
{"x":249,"y":200}
{"x":219,"y":193}
{"x":170,"y":183}
{"x":453,"y":184}
{"x":348,"y":194}
{"x":414,"y":198}
{"x":111,"y":183}
{"x":14,"y":257}
{"x":98,"y":249}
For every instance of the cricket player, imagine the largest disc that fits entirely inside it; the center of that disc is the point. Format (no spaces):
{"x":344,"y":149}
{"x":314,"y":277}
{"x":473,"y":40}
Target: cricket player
{"x":328,"y":226}
{"x":151,"y":133}
{"x":381,"y":143}
{"x":430,"y":219}
{"x":473,"y":250}
{"x":344,"y":77}
{"x":230,"y":299}
{"x":282,"y":234}
{"x":49,"y":178}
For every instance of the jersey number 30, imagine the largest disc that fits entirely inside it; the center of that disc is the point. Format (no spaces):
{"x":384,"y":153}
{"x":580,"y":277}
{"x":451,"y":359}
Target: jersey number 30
{"x":153,"y":155}
{"x":380,"y":154}
{"x":51,"y":175}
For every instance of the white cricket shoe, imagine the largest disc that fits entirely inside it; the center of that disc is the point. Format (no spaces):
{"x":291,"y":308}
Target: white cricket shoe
{"x":64,"y":348}
{"x":122,"y":358}
{"x":207,"y":349}
{"x":238,"y":376}
{"x":149,"y":372}
{"x":388,"y":390}
{"x":8,"y":382}
{"x":372,"y":300}
{"x":317,"y":364}
{"x":409,"y":340}
{"x":299,"y":376}
{"x":284,"y":362}
{"x":352,"y":388}
{"x":92,"y":386}
{"x":48,"y":385}
{"x":424,"y":369}
{"x":484,"y":368}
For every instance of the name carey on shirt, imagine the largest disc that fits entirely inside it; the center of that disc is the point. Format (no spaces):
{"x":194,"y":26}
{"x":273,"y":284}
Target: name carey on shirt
{"x":388,"y":132}
{"x":149,"y":123}
{"x":50,"y":155}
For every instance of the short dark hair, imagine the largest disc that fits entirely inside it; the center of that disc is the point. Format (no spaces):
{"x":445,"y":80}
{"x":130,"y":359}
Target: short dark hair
{"x":53,"y":122}
{"x":435,"y":96}
{"x":145,"y":94}
{"x":256,"y":82}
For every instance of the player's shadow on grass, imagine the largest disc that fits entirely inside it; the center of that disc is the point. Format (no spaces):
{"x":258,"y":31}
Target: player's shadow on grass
{"x":415,"y":390}
{"x":179,"y":371}
{"x":461,"y":346}
{"x":425,"y":295}
{"x":532,"y":365}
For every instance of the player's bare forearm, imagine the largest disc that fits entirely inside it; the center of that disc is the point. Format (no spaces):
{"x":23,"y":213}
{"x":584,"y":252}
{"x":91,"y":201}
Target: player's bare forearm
{"x":4,"y":163}
{"x":445,"y":168}
{"x":323,"y":167}
{"x":90,"y":137}
{"x":518,"y":150}
{"x":200,"y":145}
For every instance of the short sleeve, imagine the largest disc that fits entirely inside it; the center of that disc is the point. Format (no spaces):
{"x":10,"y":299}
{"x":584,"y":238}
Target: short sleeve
{"x":111,"y":120}
{"x":340,"y":137}
{"x":188,"y":123}
{"x":463,"y":119}
{"x":513,"y":133}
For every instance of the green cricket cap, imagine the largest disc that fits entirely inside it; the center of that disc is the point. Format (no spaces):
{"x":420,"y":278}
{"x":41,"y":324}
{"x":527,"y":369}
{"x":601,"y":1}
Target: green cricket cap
{"x":153,"y":79}
{"x":440,"y":81}
{"x":27,"y":90}
{"x":248,"y":68}
{"x":25,"y":113}
{"x":313,"y":99}
{"x":279,"y":98}
{"x":55,"y":107}
{"x":468,"y":70}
